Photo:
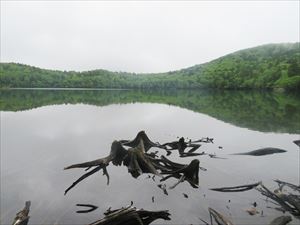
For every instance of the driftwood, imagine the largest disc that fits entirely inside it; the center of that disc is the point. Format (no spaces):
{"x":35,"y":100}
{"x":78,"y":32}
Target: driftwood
{"x":22,"y":217}
{"x":237,"y":188}
{"x":187,"y":172}
{"x":182,"y":172}
{"x":138,"y":161}
{"x":204,"y":140}
{"x":288,"y":202}
{"x":116,"y":156}
{"x":131,"y":216}
{"x":181,"y":145}
{"x":134,"y":158}
{"x":282,"y":184}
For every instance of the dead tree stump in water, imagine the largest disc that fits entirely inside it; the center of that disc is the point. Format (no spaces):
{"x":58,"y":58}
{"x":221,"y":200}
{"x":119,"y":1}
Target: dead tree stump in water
{"x":146,"y":140}
{"x":138,"y":161}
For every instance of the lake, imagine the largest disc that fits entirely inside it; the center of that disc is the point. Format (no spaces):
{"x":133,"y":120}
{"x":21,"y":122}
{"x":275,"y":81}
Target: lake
{"x":42,"y":131}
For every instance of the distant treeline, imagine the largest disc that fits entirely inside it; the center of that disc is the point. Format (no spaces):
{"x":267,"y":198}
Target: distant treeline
{"x":268,"y":66}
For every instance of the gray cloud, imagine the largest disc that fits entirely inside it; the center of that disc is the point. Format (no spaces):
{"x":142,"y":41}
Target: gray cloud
{"x":139,"y":36}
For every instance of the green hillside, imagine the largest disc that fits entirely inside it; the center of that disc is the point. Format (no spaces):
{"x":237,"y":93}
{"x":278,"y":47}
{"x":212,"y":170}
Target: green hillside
{"x":268,"y":66}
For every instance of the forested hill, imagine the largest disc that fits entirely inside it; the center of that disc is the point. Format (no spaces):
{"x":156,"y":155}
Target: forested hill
{"x":267,"y":66}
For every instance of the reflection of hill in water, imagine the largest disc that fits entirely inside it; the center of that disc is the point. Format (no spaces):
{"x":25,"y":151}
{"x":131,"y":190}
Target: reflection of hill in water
{"x":263,"y":111}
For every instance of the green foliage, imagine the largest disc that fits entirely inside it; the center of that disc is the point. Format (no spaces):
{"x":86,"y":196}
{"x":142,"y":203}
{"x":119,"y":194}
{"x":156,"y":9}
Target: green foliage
{"x":267,"y":66}
{"x":258,"y":110}
{"x":289,"y":82}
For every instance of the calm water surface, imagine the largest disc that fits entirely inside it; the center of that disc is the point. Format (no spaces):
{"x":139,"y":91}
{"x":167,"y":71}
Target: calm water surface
{"x":44,"y":131}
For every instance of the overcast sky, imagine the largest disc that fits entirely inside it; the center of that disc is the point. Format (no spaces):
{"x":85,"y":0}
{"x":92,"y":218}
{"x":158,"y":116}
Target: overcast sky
{"x":141,"y":36}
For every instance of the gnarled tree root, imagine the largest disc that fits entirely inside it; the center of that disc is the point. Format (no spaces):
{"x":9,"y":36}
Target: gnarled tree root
{"x":136,"y":141}
{"x":138,"y":162}
{"x":116,"y":156}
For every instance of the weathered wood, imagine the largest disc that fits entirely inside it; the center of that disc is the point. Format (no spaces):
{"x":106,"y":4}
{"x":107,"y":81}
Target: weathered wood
{"x":141,"y":136}
{"x":83,"y":177}
{"x":237,"y":188}
{"x":189,"y":173}
{"x":131,"y":216}
{"x":116,"y":156}
{"x":288,"y":202}
{"x":138,"y":162}
{"x":204,"y":140}
{"x":283,"y":183}
{"x":22,"y":217}
{"x":181,"y":145}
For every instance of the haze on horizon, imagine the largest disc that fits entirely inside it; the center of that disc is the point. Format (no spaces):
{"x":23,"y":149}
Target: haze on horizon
{"x":144,"y":36}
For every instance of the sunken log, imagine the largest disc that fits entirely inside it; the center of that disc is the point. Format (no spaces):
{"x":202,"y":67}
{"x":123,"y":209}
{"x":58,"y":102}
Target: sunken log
{"x":281,"y":220}
{"x":22,"y":217}
{"x":131,"y":216}
{"x":262,"y":151}
{"x":237,"y":188}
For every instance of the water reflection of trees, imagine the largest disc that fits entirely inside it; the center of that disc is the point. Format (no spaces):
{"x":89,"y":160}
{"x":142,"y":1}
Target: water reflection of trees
{"x":263,"y":111}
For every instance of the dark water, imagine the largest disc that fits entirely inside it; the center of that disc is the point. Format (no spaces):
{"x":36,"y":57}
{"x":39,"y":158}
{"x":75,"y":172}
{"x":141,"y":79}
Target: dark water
{"x":42,"y":131}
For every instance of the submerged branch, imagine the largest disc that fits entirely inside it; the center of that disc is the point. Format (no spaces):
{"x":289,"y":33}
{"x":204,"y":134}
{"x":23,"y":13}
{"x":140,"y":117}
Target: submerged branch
{"x":86,"y":175}
{"x":131,"y":216}
{"x":91,"y":208}
{"x":237,"y":188}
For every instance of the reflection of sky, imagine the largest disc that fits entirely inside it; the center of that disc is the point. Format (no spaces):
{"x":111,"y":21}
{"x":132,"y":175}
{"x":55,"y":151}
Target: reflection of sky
{"x":37,"y":144}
